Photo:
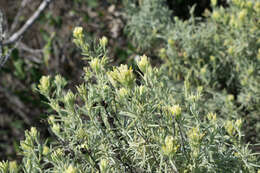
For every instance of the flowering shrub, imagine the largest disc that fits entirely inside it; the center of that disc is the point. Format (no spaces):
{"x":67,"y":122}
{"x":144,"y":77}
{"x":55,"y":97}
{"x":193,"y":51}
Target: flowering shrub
{"x":130,"y":120}
{"x":220,"y":53}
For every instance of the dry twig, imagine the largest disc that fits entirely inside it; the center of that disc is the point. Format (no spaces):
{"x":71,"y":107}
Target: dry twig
{"x":15,"y":36}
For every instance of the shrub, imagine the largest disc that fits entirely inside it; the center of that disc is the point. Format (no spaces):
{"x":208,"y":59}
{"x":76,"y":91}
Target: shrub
{"x":146,"y":21}
{"x":220,"y":53}
{"x":130,"y":120}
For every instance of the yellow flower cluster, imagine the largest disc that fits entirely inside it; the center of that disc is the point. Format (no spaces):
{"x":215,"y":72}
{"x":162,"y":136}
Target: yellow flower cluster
{"x":230,"y":126}
{"x":123,"y":75}
{"x":123,"y":92}
{"x":212,"y":117}
{"x":69,"y":99}
{"x":216,"y":16}
{"x":71,"y":169}
{"x":171,"y":42}
{"x":214,"y":2}
{"x":103,"y":41}
{"x":13,"y":167}
{"x":60,"y":81}
{"x":257,"y":7}
{"x":56,"y":128}
{"x":195,"y":135}
{"x":78,"y":32}
{"x":175,"y":110}
{"x":95,"y":64}
{"x":171,"y":146}
{"x":242,"y":14}
{"x":162,"y":53}
{"x":44,"y":85}
{"x":46,"y":150}
{"x":33,"y":132}
{"x":143,"y":63}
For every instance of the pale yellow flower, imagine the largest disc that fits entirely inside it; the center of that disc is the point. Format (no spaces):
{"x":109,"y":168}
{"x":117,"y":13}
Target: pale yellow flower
{"x":123,"y":75}
{"x":143,"y":63}
{"x":103,"y":41}
{"x":71,"y":169}
{"x":78,"y":32}
{"x":171,"y":145}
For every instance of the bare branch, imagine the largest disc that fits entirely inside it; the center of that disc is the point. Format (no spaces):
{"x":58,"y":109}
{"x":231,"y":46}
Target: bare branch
{"x":28,"y":23}
{"x":16,"y":19}
{"x":3,"y":58}
{"x":24,"y":47}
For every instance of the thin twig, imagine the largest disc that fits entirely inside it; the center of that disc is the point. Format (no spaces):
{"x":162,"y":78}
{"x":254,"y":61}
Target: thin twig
{"x":17,"y":16}
{"x":15,"y":36}
{"x":26,"y":48}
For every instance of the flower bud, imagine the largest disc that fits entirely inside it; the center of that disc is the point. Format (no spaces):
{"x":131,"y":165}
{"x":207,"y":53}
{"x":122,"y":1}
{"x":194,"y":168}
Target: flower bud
{"x":4,"y":166}
{"x":175,"y":111}
{"x":171,"y":145}
{"x":237,"y":2}
{"x":123,"y":75}
{"x":212,"y":58}
{"x":69,"y":99}
{"x":60,"y":81}
{"x":216,"y":16}
{"x":242,"y":14}
{"x":238,"y":123}
{"x":78,"y":32}
{"x":230,"y":97}
{"x":230,"y":50}
{"x":143,"y":63}
{"x":185,"y":55}
{"x":82,"y":90}
{"x":46,"y":150}
{"x":56,"y":128}
{"x":95,"y":65}
{"x":44,"y":85}
{"x":195,"y":136}
{"x":214,"y":2}
{"x":13,"y":168}
{"x":103,"y":165}
{"x":212,"y":117}
{"x":249,"y":4}
{"x":162,"y":53}
{"x":171,"y":42}
{"x":33,"y":132}
{"x":229,"y":127}
{"x":103,"y":41}
{"x":71,"y":169}
{"x":123,"y":92}
{"x":257,"y":7}
{"x":203,"y":70}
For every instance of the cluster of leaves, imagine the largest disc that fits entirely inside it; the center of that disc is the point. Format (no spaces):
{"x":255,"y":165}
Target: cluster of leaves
{"x":220,"y":52}
{"x":130,"y":120}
